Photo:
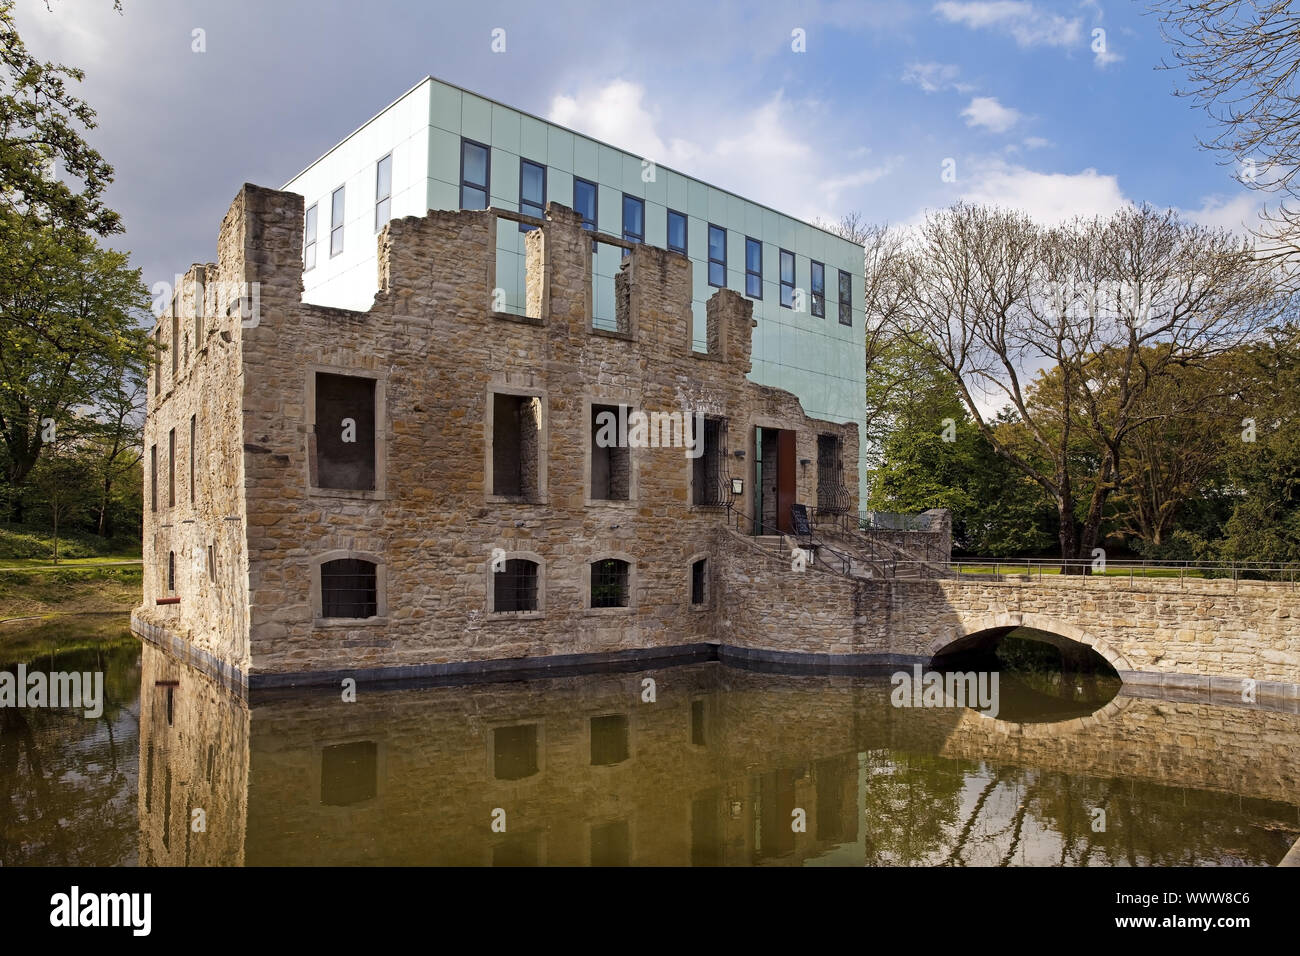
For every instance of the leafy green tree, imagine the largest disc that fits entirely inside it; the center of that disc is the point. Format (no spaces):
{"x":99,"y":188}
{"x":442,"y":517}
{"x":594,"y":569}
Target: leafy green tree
{"x":69,"y":329}
{"x":41,"y":142}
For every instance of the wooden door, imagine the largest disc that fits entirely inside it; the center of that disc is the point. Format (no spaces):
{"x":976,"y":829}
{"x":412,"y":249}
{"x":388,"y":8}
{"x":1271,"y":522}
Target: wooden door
{"x":785,"y":490}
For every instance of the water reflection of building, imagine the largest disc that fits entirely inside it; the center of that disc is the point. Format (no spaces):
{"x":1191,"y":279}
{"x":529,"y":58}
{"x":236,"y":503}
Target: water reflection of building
{"x":712,"y":773}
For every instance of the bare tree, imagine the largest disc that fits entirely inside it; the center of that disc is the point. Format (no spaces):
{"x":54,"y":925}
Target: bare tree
{"x":1108,"y":305}
{"x":1242,"y":60}
{"x":883,"y":260}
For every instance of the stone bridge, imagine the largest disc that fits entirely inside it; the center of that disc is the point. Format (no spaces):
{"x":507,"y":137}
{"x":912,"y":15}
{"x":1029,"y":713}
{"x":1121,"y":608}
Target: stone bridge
{"x":1209,"y":635}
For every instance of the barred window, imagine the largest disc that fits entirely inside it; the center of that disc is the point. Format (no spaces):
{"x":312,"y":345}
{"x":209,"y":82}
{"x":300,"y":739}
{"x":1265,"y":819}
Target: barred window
{"x":348,"y":588}
{"x":515,"y":588}
{"x":609,"y":583}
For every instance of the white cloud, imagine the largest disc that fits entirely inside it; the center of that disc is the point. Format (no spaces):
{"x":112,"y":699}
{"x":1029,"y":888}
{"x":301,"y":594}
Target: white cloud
{"x":764,"y":153}
{"x":987,"y":112}
{"x":1105,"y":57}
{"x":1045,"y":197}
{"x":933,"y":77}
{"x":1022,"y":20}
{"x":1237,"y":214}
{"x":1036,"y":142}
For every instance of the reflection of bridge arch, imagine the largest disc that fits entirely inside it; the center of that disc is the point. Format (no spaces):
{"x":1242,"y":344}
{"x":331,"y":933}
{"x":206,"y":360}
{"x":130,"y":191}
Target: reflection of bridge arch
{"x":997,"y":727}
{"x":975,"y":625}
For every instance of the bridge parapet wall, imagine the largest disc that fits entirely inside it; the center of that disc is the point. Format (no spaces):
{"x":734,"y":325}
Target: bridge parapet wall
{"x":1194,"y":633}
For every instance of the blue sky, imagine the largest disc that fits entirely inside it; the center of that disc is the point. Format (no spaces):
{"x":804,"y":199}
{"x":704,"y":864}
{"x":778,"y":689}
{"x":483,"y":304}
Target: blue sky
{"x":862,"y":120}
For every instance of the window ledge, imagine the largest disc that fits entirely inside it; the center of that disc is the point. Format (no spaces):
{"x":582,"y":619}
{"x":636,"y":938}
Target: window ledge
{"x":612,"y":334}
{"x":607,"y":611}
{"x":620,"y":503}
{"x":357,"y":493}
{"x":346,"y":622}
{"x":519,"y":319}
{"x":516,"y":615}
{"x":701,"y":608}
{"x":514,"y":500}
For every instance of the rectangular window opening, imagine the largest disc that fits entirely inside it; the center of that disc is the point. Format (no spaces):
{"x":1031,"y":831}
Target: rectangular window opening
{"x":753,"y":268}
{"x":171,"y":468}
{"x":698,"y":577}
{"x":194,"y":432}
{"x":709,"y":469}
{"x":153,"y":477}
{"x":609,"y":583}
{"x":676,"y":232}
{"x":717,"y":256}
{"x":611,"y":459}
{"x":475,"y":174}
{"x":532,"y":191}
{"x":818,"y":285}
{"x":349,"y":588}
{"x":516,"y":441}
{"x":787,"y":279}
{"x":383,"y":191}
{"x":586,"y":204}
{"x":336,"y":222}
{"x":309,"y":239}
{"x":633,"y":220}
{"x":344,"y":432}
{"x":846,"y":298}
{"x":515,"y":587}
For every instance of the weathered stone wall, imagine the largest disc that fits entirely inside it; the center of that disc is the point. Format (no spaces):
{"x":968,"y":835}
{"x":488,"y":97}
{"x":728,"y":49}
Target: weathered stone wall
{"x":1181,"y":633}
{"x":1205,"y":634}
{"x":205,"y":528}
{"x":438,"y":353}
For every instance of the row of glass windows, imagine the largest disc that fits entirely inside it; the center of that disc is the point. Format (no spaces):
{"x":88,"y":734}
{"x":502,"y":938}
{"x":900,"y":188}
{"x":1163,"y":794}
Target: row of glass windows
{"x":475,"y":188}
{"x":383,"y":212}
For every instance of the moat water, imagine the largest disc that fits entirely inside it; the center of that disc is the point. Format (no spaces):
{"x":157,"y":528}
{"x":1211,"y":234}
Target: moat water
{"x":700,"y":764}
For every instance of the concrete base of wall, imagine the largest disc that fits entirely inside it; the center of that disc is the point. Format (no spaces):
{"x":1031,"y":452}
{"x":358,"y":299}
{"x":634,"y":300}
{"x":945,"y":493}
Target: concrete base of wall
{"x":1226,"y":691}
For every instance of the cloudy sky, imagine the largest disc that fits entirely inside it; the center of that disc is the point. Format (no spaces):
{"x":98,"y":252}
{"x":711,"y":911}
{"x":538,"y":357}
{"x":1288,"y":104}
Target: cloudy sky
{"x":1023,"y":100}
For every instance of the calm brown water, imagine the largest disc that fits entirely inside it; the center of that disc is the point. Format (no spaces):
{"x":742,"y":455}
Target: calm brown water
{"x":723,"y":767}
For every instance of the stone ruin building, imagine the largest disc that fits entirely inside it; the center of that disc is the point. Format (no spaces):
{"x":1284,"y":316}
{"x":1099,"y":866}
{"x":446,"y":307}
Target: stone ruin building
{"x":417,"y":490}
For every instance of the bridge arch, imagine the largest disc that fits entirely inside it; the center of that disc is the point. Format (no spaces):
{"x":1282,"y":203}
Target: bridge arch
{"x":976,"y":624}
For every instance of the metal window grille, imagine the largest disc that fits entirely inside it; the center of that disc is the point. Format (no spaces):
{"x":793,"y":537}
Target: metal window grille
{"x":609,"y":583}
{"x":348,"y":588}
{"x":515,"y":588}
{"x":832,"y":496}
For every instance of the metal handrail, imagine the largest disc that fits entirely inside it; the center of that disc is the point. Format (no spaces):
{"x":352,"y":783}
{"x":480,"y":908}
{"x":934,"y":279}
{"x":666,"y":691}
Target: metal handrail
{"x":1280,"y":573}
{"x":845,"y":560}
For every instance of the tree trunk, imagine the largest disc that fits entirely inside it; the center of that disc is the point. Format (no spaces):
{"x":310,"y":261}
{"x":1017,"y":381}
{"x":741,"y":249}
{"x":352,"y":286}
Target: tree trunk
{"x":1067,"y":535}
{"x":105,"y":528}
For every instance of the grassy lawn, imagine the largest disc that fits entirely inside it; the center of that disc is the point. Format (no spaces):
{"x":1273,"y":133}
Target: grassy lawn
{"x":43,"y":594}
{"x":44,"y":564}
{"x":29,"y":545}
